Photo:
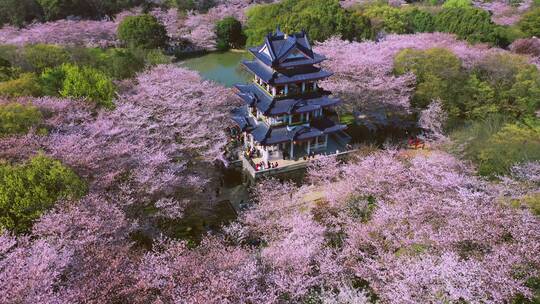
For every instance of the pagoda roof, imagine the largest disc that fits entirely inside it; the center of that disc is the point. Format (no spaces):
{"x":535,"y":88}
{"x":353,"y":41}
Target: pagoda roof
{"x":242,"y":118}
{"x":253,"y":95}
{"x":299,"y":74}
{"x":282,"y":50}
{"x":267,"y":135}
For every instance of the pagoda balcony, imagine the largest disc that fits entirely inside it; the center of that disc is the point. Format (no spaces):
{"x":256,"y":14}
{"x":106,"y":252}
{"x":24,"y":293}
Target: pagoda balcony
{"x":309,"y":91}
{"x":337,"y":144}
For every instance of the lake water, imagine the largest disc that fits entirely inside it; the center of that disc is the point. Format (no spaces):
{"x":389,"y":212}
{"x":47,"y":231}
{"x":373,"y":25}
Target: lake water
{"x":221,"y":67}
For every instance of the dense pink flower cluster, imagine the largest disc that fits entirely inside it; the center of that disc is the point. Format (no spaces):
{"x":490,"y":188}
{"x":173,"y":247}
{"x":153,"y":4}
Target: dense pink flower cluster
{"x":214,"y":272}
{"x":87,"y":33}
{"x":91,"y":33}
{"x":363,"y":70}
{"x":158,"y":145}
{"x":198,"y":28}
{"x":79,"y":253}
{"x":436,"y":234}
{"x":432,"y":120}
{"x":503,"y":12}
{"x":413,"y":228}
{"x":164,"y":135}
{"x":166,"y":132}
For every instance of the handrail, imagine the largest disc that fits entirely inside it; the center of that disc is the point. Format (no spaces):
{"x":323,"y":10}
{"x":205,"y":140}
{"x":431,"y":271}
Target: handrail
{"x":292,"y":166}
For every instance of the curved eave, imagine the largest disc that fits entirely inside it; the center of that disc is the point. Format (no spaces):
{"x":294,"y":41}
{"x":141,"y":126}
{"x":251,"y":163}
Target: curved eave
{"x":317,"y":58}
{"x":270,"y":76}
{"x":282,"y":79}
{"x":265,"y":135}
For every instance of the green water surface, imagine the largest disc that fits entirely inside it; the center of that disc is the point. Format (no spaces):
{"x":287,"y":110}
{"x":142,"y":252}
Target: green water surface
{"x":221,"y":67}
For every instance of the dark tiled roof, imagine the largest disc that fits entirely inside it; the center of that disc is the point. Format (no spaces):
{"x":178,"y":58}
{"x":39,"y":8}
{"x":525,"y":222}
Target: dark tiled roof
{"x":266,"y":135}
{"x":302,"y":132}
{"x":304,"y":73}
{"x":253,"y":95}
{"x":279,"y":47}
{"x":243,"y":120}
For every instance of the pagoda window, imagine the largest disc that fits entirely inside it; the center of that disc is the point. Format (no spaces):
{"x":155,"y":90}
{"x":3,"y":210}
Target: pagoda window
{"x":286,"y":89}
{"x":280,"y":119}
{"x":295,"y":88}
{"x":280,"y":90}
{"x":296,"y":54}
{"x":321,"y":141}
{"x":274,"y":91}
{"x":315,"y":86}
{"x":303,"y":87}
{"x":296,"y":118}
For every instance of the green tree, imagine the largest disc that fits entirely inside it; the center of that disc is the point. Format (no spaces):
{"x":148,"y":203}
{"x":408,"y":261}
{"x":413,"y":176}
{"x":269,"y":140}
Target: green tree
{"x":471,"y":24}
{"x":52,"y":81}
{"x":16,"y":118}
{"x":155,"y":57}
{"x":495,"y":143}
{"x":58,"y":9}
{"x":123,"y":63}
{"x":524,"y":95}
{"x":530,"y":23}
{"x":479,"y":101}
{"x":419,"y":21}
{"x":88,"y":83}
{"x":229,"y":34}
{"x":389,"y":18}
{"x":438,"y":74}
{"x":26,"y":85}
{"x":142,"y":31}
{"x":7,"y":72}
{"x":28,"y":190}
{"x":118,"y":63}
{"x":515,"y":82}
{"x":457,"y":4}
{"x":320,"y":18}
{"x":514,"y":143}
{"x":19,"y":12}
{"x":38,"y":57}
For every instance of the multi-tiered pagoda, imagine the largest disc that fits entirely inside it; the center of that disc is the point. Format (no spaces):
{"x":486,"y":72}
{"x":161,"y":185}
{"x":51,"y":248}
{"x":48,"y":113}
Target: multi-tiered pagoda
{"x":284,"y":116}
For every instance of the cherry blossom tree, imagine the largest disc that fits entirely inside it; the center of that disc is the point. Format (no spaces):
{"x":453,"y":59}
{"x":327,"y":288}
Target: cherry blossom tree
{"x":439,"y":233}
{"x":165,"y":134}
{"x":30,"y":270}
{"x":502,"y":12}
{"x":211,"y":273}
{"x":434,"y":233}
{"x":432,"y":120}
{"x":79,"y":252}
{"x":96,"y":233}
{"x":91,"y":33}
